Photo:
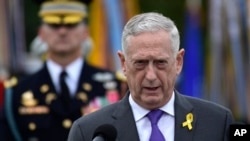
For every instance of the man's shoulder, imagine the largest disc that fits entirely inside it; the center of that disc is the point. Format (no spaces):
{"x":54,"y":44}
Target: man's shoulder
{"x":206,"y":105}
{"x":108,"y":110}
{"x":99,"y":117}
{"x":31,"y":78}
{"x":102,"y":114}
{"x":29,"y":82}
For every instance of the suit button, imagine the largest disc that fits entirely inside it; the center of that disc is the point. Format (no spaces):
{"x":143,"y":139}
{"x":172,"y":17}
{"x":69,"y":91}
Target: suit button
{"x":32,"y":126}
{"x":66,"y":123}
{"x":82,"y":96}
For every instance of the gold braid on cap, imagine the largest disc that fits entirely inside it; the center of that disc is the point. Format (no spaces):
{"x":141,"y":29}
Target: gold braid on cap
{"x":63,"y":7}
{"x":63,"y":11}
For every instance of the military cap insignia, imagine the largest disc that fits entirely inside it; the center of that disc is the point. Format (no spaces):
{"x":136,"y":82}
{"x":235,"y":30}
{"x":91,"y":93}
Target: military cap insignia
{"x":87,"y":86}
{"x":44,"y":88}
{"x":82,"y":96}
{"x":50,"y":97}
{"x":28,"y":99}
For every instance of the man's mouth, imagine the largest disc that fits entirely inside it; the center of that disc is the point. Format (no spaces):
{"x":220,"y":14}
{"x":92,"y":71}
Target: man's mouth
{"x":151,"y":88}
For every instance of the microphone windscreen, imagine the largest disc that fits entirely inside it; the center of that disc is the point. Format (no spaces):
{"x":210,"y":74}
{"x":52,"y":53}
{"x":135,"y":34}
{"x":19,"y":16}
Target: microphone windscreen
{"x":107,"y":131}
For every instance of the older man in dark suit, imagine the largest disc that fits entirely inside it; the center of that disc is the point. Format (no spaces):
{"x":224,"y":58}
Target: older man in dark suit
{"x":153,"y":110}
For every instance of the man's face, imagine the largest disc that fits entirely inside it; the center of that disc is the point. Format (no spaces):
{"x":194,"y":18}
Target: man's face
{"x":151,"y":68}
{"x":63,"y":39}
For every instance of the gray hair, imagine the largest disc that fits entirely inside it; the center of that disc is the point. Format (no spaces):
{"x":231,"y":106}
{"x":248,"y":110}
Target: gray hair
{"x":151,"y":22}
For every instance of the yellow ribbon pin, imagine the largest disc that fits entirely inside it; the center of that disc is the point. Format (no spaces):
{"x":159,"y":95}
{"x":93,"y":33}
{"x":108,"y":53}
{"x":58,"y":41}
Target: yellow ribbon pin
{"x":189,"y":120}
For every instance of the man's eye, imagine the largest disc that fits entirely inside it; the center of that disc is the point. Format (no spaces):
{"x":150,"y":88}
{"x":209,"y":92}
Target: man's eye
{"x":162,"y":63}
{"x":140,"y":63}
{"x":56,"y":26}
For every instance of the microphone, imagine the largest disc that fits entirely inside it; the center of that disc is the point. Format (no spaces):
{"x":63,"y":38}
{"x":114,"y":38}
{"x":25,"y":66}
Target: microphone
{"x":105,"y":132}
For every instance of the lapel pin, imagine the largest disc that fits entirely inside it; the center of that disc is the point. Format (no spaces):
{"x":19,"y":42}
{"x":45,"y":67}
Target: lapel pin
{"x":189,"y":120}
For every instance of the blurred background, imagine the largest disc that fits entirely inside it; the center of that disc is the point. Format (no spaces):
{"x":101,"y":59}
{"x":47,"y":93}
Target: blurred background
{"x":214,"y":33}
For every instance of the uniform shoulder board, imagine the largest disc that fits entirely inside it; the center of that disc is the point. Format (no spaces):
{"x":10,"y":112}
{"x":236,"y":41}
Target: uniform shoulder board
{"x":10,"y":82}
{"x":120,"y":76}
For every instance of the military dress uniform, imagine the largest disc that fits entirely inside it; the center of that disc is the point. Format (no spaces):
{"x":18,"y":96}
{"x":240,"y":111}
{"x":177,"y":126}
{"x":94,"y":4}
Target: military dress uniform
{"x":35,"y":107}
{"x":38,"y":111}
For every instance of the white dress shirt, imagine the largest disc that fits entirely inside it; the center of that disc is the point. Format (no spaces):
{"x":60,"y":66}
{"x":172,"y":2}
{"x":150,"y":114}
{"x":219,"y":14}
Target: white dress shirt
{"x":165,"y":123}
{"x":73,"y":74}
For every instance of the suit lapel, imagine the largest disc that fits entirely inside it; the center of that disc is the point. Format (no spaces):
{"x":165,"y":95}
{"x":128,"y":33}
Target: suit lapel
{"x":126,"y":126}
{"x":45,"y":78}
{"x":182,"y":108}
{"x":56,"y":104}
{"x":85,"y":75}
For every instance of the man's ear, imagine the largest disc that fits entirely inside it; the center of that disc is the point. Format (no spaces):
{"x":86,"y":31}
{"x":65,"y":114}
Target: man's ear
{"x":85,"y":34}
{"x":122,"y":61}
{"x":41,"y":33}
{"x":179,"y":60}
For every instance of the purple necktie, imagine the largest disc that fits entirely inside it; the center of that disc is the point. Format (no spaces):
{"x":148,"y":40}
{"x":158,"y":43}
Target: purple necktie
{"x":154,"y":117}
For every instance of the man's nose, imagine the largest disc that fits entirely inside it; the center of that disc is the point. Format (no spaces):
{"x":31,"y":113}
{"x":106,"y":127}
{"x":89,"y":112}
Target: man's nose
{"x":151,"y":72}
{"x":62,"y":29}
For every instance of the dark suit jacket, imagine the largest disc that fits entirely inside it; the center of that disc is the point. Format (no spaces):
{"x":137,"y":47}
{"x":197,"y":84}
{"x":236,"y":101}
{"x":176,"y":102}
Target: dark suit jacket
{"x":38,"y":110}
{"x":210,"y":121}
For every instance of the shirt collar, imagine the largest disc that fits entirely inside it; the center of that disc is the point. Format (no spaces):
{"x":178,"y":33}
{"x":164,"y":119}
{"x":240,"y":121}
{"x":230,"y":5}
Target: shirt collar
{"x":73,"y":69}
{"x":140,"y":112}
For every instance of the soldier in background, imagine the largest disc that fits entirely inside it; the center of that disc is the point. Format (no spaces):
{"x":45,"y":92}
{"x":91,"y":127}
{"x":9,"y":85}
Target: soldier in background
{"x":44,"y":104}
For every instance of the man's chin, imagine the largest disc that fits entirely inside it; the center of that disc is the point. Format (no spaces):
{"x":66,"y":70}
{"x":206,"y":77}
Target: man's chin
{"x":153,"y":100}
